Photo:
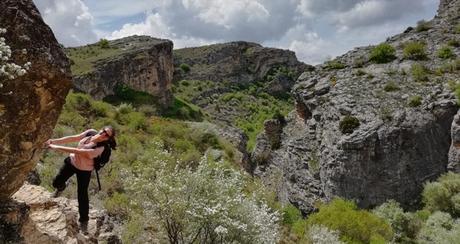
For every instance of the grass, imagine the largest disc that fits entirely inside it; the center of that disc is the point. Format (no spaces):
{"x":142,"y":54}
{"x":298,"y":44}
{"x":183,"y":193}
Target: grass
{"x":422,"y":25}
{"x":383,"y":53}
{"x":391,"y":86}
{"x":84,"y":58}
{"x":419,"y":72}
{"x":446,"y":52}
{"x":414,"y":51}
{"x":335,"y":64}
{"x":415,"y":101}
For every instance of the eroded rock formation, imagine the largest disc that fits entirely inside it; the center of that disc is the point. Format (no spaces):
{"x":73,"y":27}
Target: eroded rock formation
{"x":403,"y":136}
{"x":241,"y":63}
{"x":35,"y":217}
{"x":141,"y":63}
{"x":29,"y":105}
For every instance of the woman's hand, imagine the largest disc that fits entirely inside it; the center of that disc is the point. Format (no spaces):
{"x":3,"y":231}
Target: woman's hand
{"x":48,"y":143}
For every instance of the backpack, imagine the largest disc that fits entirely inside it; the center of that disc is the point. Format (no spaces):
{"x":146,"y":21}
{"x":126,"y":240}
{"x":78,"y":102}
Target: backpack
{"x":101,"y":160}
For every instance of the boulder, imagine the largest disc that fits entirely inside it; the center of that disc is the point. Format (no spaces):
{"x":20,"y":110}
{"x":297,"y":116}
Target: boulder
{"x":30,"y":104}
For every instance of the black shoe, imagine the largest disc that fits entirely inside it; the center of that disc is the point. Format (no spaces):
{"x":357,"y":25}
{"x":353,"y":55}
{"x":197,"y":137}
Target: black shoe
{"x":84,"y":227}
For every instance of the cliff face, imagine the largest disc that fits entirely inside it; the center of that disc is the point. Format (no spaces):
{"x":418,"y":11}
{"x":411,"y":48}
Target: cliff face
{"x":139,"y":62}
{"x":237,"y":62}
{"x":30,"y":104}
{"x":404,"y":108}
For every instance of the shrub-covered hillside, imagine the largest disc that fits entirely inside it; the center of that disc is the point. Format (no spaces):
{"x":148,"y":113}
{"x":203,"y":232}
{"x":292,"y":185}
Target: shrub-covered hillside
{"x":165,"y":171}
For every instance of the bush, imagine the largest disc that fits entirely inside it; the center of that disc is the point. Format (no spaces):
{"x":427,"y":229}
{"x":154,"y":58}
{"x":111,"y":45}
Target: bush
{"x":415,"y":101}
{"x":334,"y":64}
{"x":360,"y":72}
{"x":414,"y":51}
{"x":318,"y":234}
{"x":439,"y":228}
{"x":117,"y":205}
{"x":185,"y":68}
{"x":382,"y":53}
{"x":445,"y":53}
{"x":103,"y":43}
{"x":443,"y":195}
{"x":453,"y":43}
{"x":354,"y":226}
{"x":291,"y":214}
{"x":348,"y":124}
{"x":202,"y":205}
{"x":419,"y":72}
{"x":100,"y":109}
{"x":399,"y":221}
{"x":423,"y":25}
{"x":390,"y":86}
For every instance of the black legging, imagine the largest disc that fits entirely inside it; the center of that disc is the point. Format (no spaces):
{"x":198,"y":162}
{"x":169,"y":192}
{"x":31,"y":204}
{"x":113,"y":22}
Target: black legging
{"x":83,"y":178}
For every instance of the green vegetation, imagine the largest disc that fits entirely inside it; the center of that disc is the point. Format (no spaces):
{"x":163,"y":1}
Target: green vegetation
{"x":334,"y":64}
{"x":423,"y":25}
{"x":254,"y":106}
{"x":360,"y":72}
{"x":83,"y":58}
{"x":348,"y":124}
{"x":415,"y":101}
{"x":414,"y":50}
{"x":453,"y":43}
{"x":386,"y":114}
{"x":156,"y":154}
{"x":419,"y":72}
{"x":443,"y":195}
{"x":383,"y":53}
{"x":457,"y":28}
{"x":185,"y":68}
{"x":446,"y":53}
{"x":103,"y":43}
{"x":354,"y":225}
{"x":391,"y":86}
{"x":449,"y":67}
{"x":291,"y":215}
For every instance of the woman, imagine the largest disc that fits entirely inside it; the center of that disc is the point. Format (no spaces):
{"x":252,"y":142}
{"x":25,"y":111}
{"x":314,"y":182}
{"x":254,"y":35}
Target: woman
{"x":80,"y":162}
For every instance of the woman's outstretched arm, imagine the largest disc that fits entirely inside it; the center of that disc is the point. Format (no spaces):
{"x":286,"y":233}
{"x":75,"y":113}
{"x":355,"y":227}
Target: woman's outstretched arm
{"x":68,"y":139}
{"x":88,"y":152}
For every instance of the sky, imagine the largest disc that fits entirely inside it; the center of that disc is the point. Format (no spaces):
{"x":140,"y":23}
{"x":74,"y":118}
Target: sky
{"x":316,"y":30}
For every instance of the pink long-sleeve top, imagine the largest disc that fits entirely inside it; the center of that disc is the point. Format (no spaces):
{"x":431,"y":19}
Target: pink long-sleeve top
{"x":85,"y":161}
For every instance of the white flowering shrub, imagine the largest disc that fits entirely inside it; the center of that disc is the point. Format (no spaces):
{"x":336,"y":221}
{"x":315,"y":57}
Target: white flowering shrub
{"x":392,"y":212}
{"x":318,"y":234}
{"x":8,"y":69}
{"x":440,"y":228}
{"x":204,"y":205}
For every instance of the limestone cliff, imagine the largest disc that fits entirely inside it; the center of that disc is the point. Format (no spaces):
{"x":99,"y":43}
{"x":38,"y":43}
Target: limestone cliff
{"x":30,"y":104}
{"x":370,"y":131}
{"x":139,"y":62}
{"x":238,"y":62}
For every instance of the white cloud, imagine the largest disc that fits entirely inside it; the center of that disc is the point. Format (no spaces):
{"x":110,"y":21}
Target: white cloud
{"x":227,"y":14}
{"x":376,"y":12}
{"x":70,"y":20}
{"x":154,"y":25}
{"x":314,"y":29}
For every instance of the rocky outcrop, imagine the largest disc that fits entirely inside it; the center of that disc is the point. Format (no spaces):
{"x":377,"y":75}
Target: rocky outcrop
{"x":454,"y":150}
{"x":239,"y":62}
{"x":233,"y":135}
{"x":34,"y":217}
{"x":29,"y":105}
{"x":141,"y":63}
{"x":403,"y":136}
